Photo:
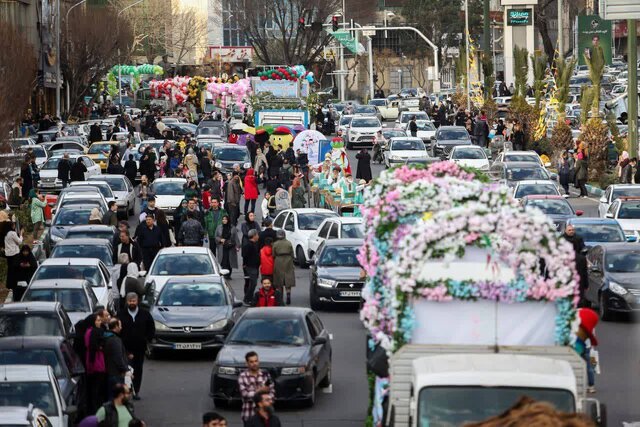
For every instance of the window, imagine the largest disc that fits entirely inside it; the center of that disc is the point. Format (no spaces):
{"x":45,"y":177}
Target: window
{"x":333,"y":234}
{"x":312,"y":329}
{"x":279,"y":222}
{"x":289,"y":226}
{"x":316,"y":322}
{"x":325,"y":229}
{"x":87,"y":162}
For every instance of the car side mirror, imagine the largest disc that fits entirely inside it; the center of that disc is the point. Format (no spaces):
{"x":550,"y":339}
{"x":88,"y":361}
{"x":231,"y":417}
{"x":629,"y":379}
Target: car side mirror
{"x":579,"y":212}
{"x":319,"y":340}
{"x":632,"y":239}
{"x":433,"y":137}
{"x":553,"y":176}
{"x":311,"y":261}
{"x":142,"y":273}
{"x":224,"y":272}
{"x":608,"y":215}
{"x":237,"y":303}
{"x":603,"y":199}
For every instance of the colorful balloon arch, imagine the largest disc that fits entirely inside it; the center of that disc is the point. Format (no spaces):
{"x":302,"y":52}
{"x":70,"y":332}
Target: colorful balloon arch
{"x":136,"y":70}
{"x":293,"y":73}
{"x":179,"y":90}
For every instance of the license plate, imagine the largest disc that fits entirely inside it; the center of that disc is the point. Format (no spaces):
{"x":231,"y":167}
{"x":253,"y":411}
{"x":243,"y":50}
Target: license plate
{"x":350,"y":293}
{"x":188,"y":346}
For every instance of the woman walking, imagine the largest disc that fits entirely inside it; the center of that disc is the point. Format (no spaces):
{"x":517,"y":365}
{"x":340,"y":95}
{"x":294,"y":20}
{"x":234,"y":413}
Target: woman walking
{"x":364,"y":165}
{"x":37,"y":212}
{"x":12,"y":242}
{"x":297,"y":194}
{"x":227,"y":245}
{"x":283,"y":271}
{"x":24,"y":267}
{"x":250,"y":192}
{"x":582,"y":171}
{"x":564,"y":171}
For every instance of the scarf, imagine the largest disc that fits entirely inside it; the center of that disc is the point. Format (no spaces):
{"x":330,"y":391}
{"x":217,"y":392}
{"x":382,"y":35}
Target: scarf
{"x":226,"y":231}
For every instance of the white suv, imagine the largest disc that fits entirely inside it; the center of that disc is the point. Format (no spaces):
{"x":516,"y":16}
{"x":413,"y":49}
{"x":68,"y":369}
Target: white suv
{"x":362,"y":130}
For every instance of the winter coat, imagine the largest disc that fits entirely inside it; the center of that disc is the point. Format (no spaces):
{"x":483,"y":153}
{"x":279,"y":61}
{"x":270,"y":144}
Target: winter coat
{"x":212,"y":221}
{"x":37,"y":210}
{"x":364,"y":166}
{"x":77,"y":171}
{"x":264,"y":298}
{"x":64,"y":169}
{"x":246,"y":227}
{"x":233,"y":253}
{"x":136,"y":333}
{"x":191,"y":233}
{"x":582,"y":171}
{"x":234,"y":192}
{"x":250,"y":186}
{"x":115,"y":355}
{"x":283,"y":270}
{"x":266,"y":261}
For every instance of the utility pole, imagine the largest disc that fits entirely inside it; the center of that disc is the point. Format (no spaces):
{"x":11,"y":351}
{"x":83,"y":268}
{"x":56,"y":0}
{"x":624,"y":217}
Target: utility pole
{"x":58,"y":57}
{"x":466,"y":36}
{"x":632,"y":92}
{"x":560,"y":32}
{"x":485,"y":27}
{"x":342,"y":76}
{"x":370,"y":48}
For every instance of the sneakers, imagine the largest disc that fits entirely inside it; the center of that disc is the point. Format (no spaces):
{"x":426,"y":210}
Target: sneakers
{"x":591,"y":390}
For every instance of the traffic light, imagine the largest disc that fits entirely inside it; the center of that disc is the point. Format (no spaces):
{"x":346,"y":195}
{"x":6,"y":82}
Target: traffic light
{"x":334,"y":23}
{"x":301,"y":24}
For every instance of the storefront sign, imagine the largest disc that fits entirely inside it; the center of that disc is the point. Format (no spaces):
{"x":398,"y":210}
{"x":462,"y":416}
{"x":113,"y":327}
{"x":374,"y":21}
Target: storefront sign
{"x":519,"y":17}
{"x":231,"y":53}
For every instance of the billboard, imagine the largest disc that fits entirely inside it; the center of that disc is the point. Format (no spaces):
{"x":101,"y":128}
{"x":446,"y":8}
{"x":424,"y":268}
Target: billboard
{"x":278,"y":88}
{"x":516,"y":17}
{"x":593,"y":31}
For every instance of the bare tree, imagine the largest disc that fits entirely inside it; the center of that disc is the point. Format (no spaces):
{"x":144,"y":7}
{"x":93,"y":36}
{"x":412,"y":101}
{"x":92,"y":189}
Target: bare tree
{"x":88,"y":51}
{"x":17,"y":79}
{"x":188,"y":33}
{"x":272,"y":28}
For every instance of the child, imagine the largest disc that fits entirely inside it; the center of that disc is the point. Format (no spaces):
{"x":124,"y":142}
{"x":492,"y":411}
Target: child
{"x":588,"y":321}
{"x":264,"y":205}
{"x":266,"y":259}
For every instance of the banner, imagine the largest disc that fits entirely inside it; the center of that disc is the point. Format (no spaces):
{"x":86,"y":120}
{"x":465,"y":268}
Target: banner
{"x":592,"y":31}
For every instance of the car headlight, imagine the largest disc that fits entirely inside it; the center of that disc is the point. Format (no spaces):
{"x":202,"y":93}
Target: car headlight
{"x":55,"y":238}
{"x":296,"y":370}
{"x":247,"y":165}
{"x":218,"y":165}
{"x":216,"y":325}
{"x":326,"y":283}
{"x":227,"y":370}
{"x":617,"y":289}
{"x":160,"y":326}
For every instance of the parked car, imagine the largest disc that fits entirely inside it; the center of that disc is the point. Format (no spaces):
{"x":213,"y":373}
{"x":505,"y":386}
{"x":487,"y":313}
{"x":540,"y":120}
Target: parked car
{"x":299,"y":224}
{"x":80,"y":196}
{"x":294,"y":348}
{"x":37,"y":150}
{"x":521,"y":156}
{"x":75,"y":295}
{"x":388,"y":109}
{"x":446,"y":138}
{"x":22,"y":385}
{"x":367,"y":111}
{"x":99,"y":152}
{"x":19,"y":416}
{"x":226,"y":155}
{"x":33,"y":319}
{"x":470,"y":156}
{"x":626,"y":210}
{"x":102,"y":186}
{"x":614,"y":287}
{"x":535,"y":187}
{"x":213,"y":127}
{"x":557,"y":208}
{"x":342,"y":227}
{"x":65,"y":218}
{"x":599,"y":231}
{"x":510,"y":173}
{"x":93,"y":231}
{"x":101,"y":249}
{"x":336,"y":274}
{"x":193,"y":313}
{"x":615,"y":191}
{"x":406,"y":116}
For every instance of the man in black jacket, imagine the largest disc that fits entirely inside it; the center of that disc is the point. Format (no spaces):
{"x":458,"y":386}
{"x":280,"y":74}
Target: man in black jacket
{"x":137,"y":329}
{"x":264,"y":416}
{"x":128,"y":246}
{"x":266,"y":232}
{"x":149,"y":238}
{"x":115,"y":355}
{"x":64,"y":170}
{"x":77,"y":170}
{"x":250,"y":264}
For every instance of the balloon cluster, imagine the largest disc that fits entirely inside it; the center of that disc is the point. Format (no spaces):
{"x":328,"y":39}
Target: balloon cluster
{"x":225,"y":78}
{"x":287,"y":73}
{"x":237,"y":90}
{"x":136,"y":70}
{"x":196,"y":86}
{"x":178,"y":90}
{"x":174,"y":89}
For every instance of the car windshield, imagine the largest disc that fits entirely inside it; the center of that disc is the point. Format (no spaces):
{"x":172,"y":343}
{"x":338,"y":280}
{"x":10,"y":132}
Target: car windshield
{"x":459,"y":405}
{"x":452,"y":134}
{"x":409,"y":92}
{"x":38,"y":393}
{"x":623,"y":262}
{"x":71,"y":299}
{"x":311,"y":221}
{"x":83,"y":251}
{"x":116,"y":183}
{"x":52,"y":163}
{"x":345,"y":120}
{"x":90,"y":273}
{"x":365,"y":123}
{"x":105,"y":190}
{"x":31,"y":356}
{"x":521,"y":174}
{"x":407,"y":144}
{"x":270,"y":331}
{"x":552,"y":206}
{"x":425,"y":125}
{"x":535,"y":189}
{"x":192,"y":294}
{"x":352,"y":231}
{"x":365,"y":109}
{"x":72,"y":216}
{"x":37,"y":150}
{"x":625,"y":192}
{"x":175,"y":265}
{"x":100,"y":148}
{"x":605,"y":233}
{"x":90,"y":234}
{"x":29,"y":325}
{"x":214,"y":130}
{"x":629,"y":210}
{"x":406,"y":118}
{"x":378,"y":102}
{"x":469,"y":153}
{"x":230,"y":154}
{"x":393,"y":133}
{"x":522,"y":158}
{"x":339,"y":256}
{"x":168,"y":188}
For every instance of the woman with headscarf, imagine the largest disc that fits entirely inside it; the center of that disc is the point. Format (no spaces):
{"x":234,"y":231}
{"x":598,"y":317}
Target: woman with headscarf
{"x":131,"y":169}
{"x":24,"y":266}
{"x":364,"y":165}
{"x":250,"y":191}
{"x":227,"y":245}
{"x":37,"y":212}
{"x":127,"y":279}
{"x":95,"y":217}
{"x":27,"y":177}
{"x":297,"y":194}
{"x":180,"y":211}
{"x":12,"y":242}
{"x":261,"y":166}
{"x":191,"y":162}
{"x":284,"y":276}
{"x":95,"y":366}
{"x":78,"y":170}
{"x":148,"y":164}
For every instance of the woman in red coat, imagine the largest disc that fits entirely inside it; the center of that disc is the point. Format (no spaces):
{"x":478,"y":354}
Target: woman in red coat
{"x":266,"y":259}
{"x":250,"y":191}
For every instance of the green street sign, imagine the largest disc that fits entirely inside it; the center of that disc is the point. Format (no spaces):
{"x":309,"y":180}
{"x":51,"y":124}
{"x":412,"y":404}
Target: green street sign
{"x":345,"y":39}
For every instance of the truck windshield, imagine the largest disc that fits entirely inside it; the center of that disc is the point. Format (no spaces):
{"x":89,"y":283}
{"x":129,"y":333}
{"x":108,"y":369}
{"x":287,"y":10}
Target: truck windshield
{"x":455,"y":406}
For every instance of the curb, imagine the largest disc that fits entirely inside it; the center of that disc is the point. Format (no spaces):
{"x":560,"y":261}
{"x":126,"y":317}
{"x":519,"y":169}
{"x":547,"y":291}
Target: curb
{"x":594,"y":191}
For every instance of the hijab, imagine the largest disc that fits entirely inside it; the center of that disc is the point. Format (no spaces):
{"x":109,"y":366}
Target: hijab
{"x":226,"y":228}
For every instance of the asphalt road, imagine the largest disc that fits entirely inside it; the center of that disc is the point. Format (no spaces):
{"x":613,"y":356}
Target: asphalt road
{"x":175,"y":388}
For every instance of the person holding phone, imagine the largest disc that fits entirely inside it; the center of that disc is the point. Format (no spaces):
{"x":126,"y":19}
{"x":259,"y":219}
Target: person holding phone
{"x":252,"y":381}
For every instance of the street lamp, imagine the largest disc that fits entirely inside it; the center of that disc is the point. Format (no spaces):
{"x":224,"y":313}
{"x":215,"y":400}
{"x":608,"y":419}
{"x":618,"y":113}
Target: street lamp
{"x":387,"y":14}
{"x":399,"y":80}
{"x":66,"y":31}
{"x":118,"y":35}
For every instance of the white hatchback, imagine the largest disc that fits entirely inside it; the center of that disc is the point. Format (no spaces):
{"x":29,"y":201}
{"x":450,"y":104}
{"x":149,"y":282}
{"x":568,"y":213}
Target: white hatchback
{"x":342,"y":227}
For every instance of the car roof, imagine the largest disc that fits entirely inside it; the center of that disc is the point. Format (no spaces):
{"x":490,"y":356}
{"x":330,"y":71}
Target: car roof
{"x":105,"y":176}
{"x":72,"y":154}
{"x":92,"y":227}
{"x":343,"y":242}
{"x":544,"y":197}
{"x":616,"y":186}
{"x":345,"y":219}
{"x":184,"y":250}
{"x":412,"y":138}
{"x":38,"y":306}
{"x":77,"y":206}
{"x":39,"y":341}
{"x":59,"y":284}
{"x":11,"y":373}
{"x":535,"y":182}
{"x":169,"y":180}
{"x":452,"y":128}
{"x":308,"y":210}
{"x":84,"y":241}
{"x":592,"y":220}
{"x":208,"y":278}
{"x":92,"y":183}
{"x":70,"y":261}
{"x":522,"y":165}
{"x":506,"y":153}
{"x":621,"y":247}
{"x":280,"y":312}
{"x":110,"y":142}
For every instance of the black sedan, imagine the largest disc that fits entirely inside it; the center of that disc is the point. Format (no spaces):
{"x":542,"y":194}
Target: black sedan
{"x":293,"y":346}
{"x":227,"y":155}
{"x":446,"y":138}
{"x":614,"y":279}
{"x":557,"y":208}
{"x":193,"y":313}
{"x":56,"y":352}
{"x":336,"y":274}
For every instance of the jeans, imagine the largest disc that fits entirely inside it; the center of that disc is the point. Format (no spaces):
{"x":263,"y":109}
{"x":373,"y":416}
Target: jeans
{"x":586,"y":355}
{"x":246,"y":206}
{"x":250,"y":282}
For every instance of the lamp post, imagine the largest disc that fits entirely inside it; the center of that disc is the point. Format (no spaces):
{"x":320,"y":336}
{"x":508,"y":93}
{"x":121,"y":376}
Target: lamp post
{"x":466,"y":36}
{"x":117,"y":35}
{"x":66,"y":31}
{"x":58,"y":77}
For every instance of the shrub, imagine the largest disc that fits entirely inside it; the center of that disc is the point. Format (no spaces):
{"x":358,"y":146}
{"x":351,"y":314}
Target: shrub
{"x":595,"y":137}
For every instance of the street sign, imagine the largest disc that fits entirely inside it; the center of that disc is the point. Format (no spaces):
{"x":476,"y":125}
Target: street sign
{"x":619,"y":9}
{"x":516,"y":17}
{"x":346,"y":40}
{"x":369,"y":31}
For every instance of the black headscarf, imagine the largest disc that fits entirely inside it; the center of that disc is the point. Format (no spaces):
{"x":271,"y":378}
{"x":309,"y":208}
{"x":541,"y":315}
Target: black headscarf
{"x":95,"y":339}
{"x":226,"y":228}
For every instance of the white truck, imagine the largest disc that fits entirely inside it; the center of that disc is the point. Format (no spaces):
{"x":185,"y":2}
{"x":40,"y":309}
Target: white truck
{"x":450,"y":385}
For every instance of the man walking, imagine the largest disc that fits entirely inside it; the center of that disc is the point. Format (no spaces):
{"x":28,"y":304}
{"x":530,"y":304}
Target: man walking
{"x":137,"y":329}
{"x":212,"y":220}
{"x":115,"y":355}
{"x":264,"y":416}
{"x":251,"y":382}
{"x":118,"y":412}
{"x":191,"y":232}
{"x":111,"y":216}
{"x":149,"y":239}
{"x":213,"y":419}
{"x":481,"y":130}
{"x":413,"y":127}
{"x":64,"y":170}
{"x":267,"y":295}
{"x":250,"y":265}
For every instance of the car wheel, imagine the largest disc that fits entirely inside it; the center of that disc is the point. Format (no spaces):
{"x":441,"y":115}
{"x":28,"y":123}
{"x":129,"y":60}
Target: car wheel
{"x":326,"y":381}
{"x":604,"y":314}
{"x":311,"y":400}
{"x":220,"y":403}
{"x":300,"y":258}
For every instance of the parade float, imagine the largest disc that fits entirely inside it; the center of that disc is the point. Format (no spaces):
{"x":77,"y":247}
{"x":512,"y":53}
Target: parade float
{"x":468,"y":296}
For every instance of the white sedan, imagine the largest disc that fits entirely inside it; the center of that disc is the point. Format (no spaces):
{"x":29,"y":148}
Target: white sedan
{"x":405,"y":150}
{"x":615,"y":191}
{"x":181,"y":261}
{"x":49,"y":172}
{"x":299,"y":224}
{"x":626,"y":211}
{"x":535,"y":188}
{"x":342,"y":227}
{"x":470,"y":156}
{"x":122,"y":190}
{"x":169,"y":193}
